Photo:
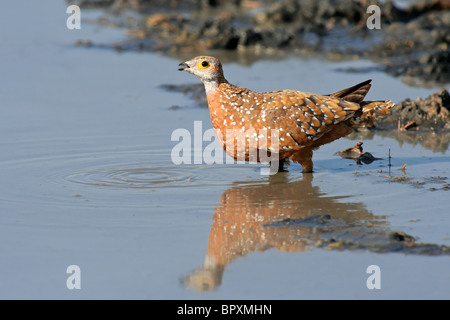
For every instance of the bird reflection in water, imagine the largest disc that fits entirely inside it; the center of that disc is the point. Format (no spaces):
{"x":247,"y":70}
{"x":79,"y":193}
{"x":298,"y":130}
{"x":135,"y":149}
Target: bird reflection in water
{"x":274,"y":214}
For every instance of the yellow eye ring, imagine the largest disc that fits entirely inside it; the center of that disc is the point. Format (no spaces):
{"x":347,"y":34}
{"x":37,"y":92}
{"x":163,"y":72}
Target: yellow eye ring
{"x":203,"y":65}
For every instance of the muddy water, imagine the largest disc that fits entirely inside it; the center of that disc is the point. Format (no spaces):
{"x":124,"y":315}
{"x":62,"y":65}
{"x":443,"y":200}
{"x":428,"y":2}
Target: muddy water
{"x":87,"y":179}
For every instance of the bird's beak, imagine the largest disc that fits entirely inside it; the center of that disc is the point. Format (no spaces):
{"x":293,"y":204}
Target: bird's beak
{"x":183,"y":66}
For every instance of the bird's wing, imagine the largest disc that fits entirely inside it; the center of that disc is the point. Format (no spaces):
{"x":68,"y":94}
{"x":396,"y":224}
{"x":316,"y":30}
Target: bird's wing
{"x":305,"y":117}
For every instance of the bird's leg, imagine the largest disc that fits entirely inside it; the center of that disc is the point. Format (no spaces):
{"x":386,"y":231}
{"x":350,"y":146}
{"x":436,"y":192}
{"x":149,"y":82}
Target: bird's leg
{"x":277,"y":166}
{"x":304,"y":157}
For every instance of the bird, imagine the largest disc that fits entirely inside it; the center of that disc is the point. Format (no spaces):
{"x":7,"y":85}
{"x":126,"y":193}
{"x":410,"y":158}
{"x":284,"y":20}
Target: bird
{"x":245,"y":121}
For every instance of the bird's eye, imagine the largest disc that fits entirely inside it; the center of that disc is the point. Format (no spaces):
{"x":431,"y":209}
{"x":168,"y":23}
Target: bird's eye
{"x":204,"y":64}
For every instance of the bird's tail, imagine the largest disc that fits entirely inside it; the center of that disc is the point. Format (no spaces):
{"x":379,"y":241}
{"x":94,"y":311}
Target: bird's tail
{"x":371,"y":110}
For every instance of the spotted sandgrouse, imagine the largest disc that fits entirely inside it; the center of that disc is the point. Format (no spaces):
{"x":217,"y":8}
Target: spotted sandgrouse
{"x":302,"y":121}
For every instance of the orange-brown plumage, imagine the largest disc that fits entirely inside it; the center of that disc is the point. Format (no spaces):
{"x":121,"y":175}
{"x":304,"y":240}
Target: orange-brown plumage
{"x":302,"y":121}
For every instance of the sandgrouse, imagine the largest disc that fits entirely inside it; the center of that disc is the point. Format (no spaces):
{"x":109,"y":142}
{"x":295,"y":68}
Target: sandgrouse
{"x":244,"y":120}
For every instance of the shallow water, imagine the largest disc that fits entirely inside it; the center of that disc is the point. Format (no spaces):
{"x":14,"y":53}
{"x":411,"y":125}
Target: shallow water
{"x":88,"y":179}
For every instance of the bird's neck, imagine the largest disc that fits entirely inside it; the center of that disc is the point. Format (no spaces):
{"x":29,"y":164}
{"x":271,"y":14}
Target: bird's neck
{"x":216,"y":108}
{"x":212,"y":85}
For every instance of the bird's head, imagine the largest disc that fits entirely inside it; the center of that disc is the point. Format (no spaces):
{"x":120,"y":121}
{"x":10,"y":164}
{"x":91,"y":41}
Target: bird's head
{"x":207,"y":69}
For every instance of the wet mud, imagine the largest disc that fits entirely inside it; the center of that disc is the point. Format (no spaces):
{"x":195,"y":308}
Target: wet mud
{"x":431,"y":113}
{"x":410,"y":42}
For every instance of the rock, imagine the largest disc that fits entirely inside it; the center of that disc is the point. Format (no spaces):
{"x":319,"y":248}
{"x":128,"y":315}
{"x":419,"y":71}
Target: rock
{"x":356,"y":153}
{"x":352,"y":153}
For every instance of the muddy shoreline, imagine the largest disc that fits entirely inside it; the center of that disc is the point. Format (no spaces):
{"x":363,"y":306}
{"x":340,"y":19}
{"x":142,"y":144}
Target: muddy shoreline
{"x":411,"y":42}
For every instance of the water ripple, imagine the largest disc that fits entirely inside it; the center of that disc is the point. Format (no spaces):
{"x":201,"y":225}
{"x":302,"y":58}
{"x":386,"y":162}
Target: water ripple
{"x":109,"y":178}
{"x":135,"y":177}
